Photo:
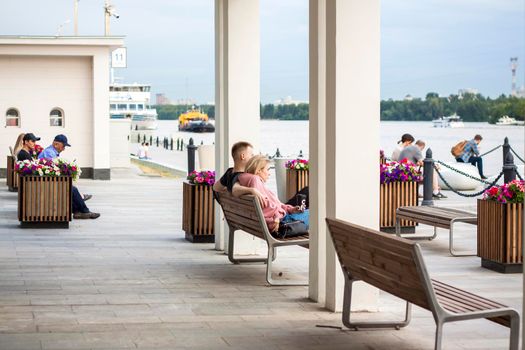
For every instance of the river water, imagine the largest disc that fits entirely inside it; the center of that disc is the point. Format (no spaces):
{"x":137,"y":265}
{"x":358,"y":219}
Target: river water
{"x":291,"y":137}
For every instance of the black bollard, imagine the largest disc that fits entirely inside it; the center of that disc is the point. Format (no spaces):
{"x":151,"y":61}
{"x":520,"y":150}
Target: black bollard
{"x":509,"y":169}
{"x":144,"y":139}
{"x":428,"y":173}
{"x":277,"y":153}
{"x":171,"y":144}
{"x":182,"y":144}
{"x":138,"y":138}
{"x":178,"y":144}
{"x":506,"y":149}
{"x":202,"y":142}
{"x":157,"y":141}
{"x":300,"y":154}
{"x":191,"y":156}
{"x":150,"y":140}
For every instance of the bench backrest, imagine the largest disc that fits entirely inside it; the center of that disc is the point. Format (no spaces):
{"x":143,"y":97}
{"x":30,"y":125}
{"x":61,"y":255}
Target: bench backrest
{"x":243,"y":214}
{"x":390,"y":263}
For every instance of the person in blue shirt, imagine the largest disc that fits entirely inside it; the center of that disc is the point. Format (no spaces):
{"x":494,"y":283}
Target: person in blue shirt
{"x":80,"y":210}
{"x":471,"y":154}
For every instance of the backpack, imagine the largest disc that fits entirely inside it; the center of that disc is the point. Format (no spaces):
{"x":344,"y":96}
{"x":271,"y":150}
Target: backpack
{"x":457,"y":150}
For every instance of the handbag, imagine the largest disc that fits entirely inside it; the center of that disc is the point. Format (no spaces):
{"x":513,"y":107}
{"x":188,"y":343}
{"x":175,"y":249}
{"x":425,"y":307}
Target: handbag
{"x":291,"y":229}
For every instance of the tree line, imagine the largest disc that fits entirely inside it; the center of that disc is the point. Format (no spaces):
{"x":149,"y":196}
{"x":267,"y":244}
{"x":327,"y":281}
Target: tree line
{"x":471,"y":107}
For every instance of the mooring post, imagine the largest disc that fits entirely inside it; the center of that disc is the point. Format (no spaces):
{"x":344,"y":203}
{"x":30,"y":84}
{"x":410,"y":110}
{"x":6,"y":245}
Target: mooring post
{"x":191,"y":156}
{"x":277,"y":153}
{"x":157,"y":141}
{"x":509,"y":169}
{"x":428,"y":173}
{"x":171,"y":144}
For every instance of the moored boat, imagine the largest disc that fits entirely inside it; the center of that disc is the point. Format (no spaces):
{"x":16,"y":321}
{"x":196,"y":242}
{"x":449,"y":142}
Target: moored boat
{"x":132,"y":101}
{"x":506,"y":120}
{"x":452,"y":121}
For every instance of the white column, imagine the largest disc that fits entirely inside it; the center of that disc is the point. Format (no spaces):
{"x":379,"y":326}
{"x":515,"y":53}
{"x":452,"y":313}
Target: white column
{"x":101,"y":140}
{"x":317,"y":133}
{"x":345,"y":91}
{"x":237,"y":95}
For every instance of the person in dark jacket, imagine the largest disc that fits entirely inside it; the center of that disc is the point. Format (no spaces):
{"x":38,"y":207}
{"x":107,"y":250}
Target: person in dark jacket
{"x":28,"y":149}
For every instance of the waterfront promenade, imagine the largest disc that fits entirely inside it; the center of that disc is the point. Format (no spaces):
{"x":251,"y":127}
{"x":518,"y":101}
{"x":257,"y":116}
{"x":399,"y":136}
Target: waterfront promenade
{"x":130,"y":280}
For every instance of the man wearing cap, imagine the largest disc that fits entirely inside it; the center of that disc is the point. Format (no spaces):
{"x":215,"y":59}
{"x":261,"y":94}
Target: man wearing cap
{"x":80,"y":210}
{"x":27,"y":151}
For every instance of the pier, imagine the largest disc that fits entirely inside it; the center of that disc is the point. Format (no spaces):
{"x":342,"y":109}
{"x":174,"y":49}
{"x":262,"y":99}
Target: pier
{"x":130,"y":280}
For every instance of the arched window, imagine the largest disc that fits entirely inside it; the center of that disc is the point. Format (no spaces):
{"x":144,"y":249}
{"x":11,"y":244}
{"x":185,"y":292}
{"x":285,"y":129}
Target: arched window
{"x":56,"y":117}
{"x":12,"y":117}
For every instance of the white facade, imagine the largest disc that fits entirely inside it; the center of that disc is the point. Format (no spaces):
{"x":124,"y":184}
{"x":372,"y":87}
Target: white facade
{"x":68,"y":74}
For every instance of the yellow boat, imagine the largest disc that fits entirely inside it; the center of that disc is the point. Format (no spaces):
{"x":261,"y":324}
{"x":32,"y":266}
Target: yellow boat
{"x":195,"y":121}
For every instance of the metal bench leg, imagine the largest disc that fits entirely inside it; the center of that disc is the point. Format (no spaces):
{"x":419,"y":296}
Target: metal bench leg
{"x":451,"y":241}
{"x":347,"y":306}
{"x":439,"y":335}
{"x":270,"y":280}
{"x":231,"y":249}
{"x":412,"y":237}
{"x":514,"y":331}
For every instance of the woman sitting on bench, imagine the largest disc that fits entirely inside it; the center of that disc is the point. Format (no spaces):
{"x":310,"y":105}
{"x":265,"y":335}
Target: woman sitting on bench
{"x":256,"y":174}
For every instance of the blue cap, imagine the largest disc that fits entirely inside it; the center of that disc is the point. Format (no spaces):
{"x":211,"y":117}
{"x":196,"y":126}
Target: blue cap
{"x":63,"y":139}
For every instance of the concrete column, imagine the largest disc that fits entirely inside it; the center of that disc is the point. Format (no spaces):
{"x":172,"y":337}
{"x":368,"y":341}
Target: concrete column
{"x":237,"y":95}
{"x":101,"y":127}
{"x":345,"y":91}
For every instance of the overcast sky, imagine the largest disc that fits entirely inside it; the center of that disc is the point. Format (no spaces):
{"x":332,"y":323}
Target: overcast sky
{"x":430,"y":45}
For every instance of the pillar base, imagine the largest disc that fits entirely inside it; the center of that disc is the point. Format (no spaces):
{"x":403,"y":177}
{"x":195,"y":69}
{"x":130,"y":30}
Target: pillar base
{"x":501,"y":267}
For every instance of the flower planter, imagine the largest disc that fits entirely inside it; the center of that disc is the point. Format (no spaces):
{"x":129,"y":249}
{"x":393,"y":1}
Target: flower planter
{"x":296,"y":180}
{"x":198,"y":213}
{"x":392,"y":196}
{"x":500,"y":236}
{"x":44,"y":201}
{"x":12,"y":176}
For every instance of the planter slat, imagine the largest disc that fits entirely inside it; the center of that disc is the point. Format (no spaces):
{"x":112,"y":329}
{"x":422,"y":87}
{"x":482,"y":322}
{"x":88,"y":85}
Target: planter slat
{"x":392,"y":196}
{"x":12,"y":176}
{"x":296,"y":180}
{"x":45,"y":201}
{"x":198,"y":213}
{"x":500,"y":235}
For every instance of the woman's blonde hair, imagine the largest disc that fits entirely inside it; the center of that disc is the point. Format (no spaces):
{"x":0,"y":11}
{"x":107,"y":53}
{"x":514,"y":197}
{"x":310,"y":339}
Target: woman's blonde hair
{"x":19,"y":144}
{"x":256,"y":163}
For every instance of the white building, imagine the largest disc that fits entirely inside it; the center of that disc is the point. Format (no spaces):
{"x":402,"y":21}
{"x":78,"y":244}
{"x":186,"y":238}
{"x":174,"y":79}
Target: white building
{"x":58,"y":85}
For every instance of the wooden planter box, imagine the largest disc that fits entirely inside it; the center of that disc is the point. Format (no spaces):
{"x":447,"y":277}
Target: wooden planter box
{"x":500,"y":236}
{"x":12,"y":176}
{"x":44,"y":201}
{"x":198,"y":213}
{"x":296,"y":180}
{"x":392,"y":196}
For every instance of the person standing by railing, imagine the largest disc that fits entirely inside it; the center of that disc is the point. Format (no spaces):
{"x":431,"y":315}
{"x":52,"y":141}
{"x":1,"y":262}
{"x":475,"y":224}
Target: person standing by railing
{"x":471,"y":155}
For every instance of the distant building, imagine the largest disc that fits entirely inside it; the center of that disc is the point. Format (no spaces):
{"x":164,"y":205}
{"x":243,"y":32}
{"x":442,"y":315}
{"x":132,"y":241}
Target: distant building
{"x":287,"y":101}
{"x":520,"y":93}
{"x":161,"y":99}
{"x":408,"y":97}
{"x":470,"y":91}
{"x":58,"y":85}
{"x":186,"y":101}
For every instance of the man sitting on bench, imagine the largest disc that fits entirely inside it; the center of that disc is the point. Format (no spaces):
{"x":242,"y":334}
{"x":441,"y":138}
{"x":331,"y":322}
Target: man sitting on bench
{"x":80,"y":210}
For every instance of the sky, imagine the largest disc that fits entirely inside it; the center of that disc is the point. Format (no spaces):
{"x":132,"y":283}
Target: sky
{"x":426,"y":46}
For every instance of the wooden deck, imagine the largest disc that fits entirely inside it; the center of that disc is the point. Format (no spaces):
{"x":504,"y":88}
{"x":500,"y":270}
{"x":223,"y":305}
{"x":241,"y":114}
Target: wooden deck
{"x":130,"y":280}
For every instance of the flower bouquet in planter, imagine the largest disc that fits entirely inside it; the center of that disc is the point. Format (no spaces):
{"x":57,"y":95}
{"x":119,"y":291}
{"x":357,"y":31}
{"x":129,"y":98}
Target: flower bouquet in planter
{"x":398,"y":188}
{"x":198,"y":210}
{"x":500,"y":227}
{"x":297,"y":171}
{"x":44,"y":193}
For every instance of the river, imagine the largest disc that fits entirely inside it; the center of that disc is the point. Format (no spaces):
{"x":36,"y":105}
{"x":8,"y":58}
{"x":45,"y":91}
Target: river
{"x":291,"y":137}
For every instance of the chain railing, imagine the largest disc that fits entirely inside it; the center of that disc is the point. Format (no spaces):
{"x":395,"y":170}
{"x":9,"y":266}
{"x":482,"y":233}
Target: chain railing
{"x":519,"y":176}
{"x":492,"y":150}
{"x":462,"y":172}
{"x":517,"y":155}
{"x":468,"y":195}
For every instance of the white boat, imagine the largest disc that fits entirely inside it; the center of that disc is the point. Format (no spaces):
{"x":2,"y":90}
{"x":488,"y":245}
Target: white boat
{"x":132,"y":101}
{"x":506,"y":120}
{"x":452,"y":121}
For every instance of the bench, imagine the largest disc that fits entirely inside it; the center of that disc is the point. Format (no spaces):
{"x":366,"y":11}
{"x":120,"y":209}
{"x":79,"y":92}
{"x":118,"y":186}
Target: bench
{"x":437,"y":217}
{"x":396,"y":266}
{"x":246,"y":214}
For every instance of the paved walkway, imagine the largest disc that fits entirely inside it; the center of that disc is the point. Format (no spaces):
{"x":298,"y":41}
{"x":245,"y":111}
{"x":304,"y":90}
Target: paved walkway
{"x":130,"y":280}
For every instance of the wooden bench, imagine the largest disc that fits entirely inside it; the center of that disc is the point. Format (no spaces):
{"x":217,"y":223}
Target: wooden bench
{"x":437,"y":217}
{"x":246,"y":214}
{"x":396,"y":266}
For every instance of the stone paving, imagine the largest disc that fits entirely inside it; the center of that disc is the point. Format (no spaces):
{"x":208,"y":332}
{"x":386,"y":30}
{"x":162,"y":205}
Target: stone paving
{"x":130,"y":280}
